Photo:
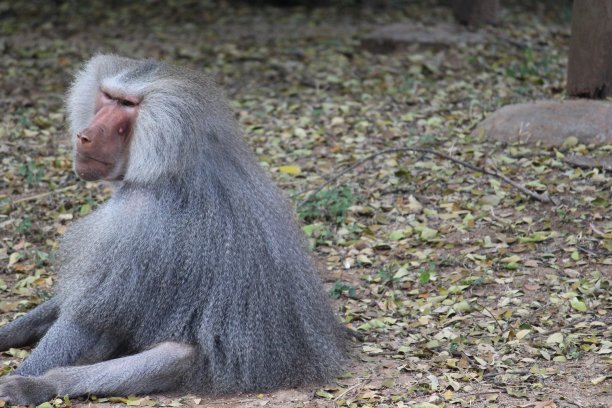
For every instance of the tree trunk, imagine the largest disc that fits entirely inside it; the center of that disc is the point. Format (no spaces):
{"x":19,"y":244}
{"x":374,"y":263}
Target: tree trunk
{"x":589,"y":72}
{"x":476,"y":12}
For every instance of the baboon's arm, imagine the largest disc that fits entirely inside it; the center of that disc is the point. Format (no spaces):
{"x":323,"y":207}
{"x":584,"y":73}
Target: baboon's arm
{"x":67,"y":343}
{"x":159,"y":369}
{"x":27,"y":330}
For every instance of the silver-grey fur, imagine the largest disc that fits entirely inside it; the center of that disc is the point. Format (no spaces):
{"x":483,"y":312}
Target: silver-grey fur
{"x":193,"y":276}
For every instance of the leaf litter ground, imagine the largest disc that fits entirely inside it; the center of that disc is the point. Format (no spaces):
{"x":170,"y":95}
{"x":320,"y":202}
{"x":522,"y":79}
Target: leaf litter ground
{"x":464,"y":291}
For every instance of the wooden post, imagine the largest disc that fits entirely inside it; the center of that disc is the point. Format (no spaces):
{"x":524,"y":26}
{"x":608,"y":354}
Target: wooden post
{"x":476,"y":12}
{"x":589,"y":71}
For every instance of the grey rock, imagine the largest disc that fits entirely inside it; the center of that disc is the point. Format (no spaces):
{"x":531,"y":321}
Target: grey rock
{"x":587,"y":162}
{"x":551,"y":122}
{"x":408,"y":35}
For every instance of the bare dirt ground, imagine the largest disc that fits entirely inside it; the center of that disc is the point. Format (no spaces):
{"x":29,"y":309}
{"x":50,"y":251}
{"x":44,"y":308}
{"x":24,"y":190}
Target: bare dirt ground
{"x":464,"y":291}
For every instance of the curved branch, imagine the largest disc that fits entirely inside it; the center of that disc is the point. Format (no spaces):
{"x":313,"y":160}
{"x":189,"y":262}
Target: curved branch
{"x":545,"y":198}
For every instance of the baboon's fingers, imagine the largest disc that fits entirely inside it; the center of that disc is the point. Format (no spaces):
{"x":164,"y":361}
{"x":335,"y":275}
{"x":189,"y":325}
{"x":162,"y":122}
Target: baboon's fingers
{"x":15,"y":389}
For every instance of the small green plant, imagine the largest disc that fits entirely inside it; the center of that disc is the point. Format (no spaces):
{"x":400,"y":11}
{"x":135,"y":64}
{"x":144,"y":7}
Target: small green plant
{"x":327,"y":205}
{"x":88,"y":206}
{"x":41,"y":258}
{"x":562,"y":214}
{"x":342,"y":288}
{"x":25,"y":224}
{"x":386,"y":274}
{"x":424,"y":277}
{"x":318,"y":233}
{"x":528,"y":66}
{"x":32,"y":173}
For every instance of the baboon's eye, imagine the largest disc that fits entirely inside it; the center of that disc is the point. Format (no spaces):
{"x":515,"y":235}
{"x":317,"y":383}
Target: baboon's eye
{"x":125,"y":102}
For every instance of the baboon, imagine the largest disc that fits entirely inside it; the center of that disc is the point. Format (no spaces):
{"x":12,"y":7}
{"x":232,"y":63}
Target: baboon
{"x":193,"y":276}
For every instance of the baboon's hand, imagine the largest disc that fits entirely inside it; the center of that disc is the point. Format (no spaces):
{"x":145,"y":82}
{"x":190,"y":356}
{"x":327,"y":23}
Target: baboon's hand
{"x":15,"y":389}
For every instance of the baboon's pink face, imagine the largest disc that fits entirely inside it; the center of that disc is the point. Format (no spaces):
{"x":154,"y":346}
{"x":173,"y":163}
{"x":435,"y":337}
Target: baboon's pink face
{"x":102,"y":149}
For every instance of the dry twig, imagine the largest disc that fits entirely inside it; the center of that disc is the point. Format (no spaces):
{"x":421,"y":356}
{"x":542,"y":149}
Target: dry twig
{"x":483,"y":307}
{"x":42,"y":195}
{"x":545,"y":198}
